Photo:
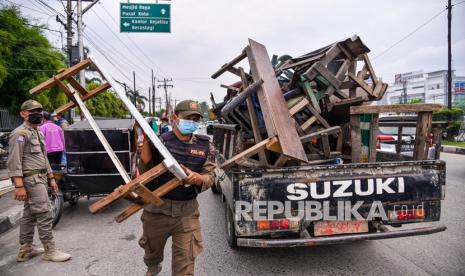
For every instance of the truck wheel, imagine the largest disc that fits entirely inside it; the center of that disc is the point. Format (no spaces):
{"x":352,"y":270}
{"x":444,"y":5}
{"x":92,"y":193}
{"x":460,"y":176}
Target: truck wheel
{"x":230,"y":229}
{"x":57,"y":203}
{"x":74,"y":199}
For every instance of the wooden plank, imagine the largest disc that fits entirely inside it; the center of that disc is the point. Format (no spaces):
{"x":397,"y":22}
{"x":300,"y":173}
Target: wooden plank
{"x":230,"y":87}
{"x":145,"y":193}
{"x":160,"y":192}
{"x":420,"y":151}
{"x":253,"y":118}
{"x":122,"y":190}
{"x":370,"y":68}
{"x":362,"y":84}
{"x":363,"y":74}
{"x":331,"y":54}
{"x":65,"y":89}
{"x":282,"y":159}
{"x":374,"y":130}
{"x":302,"y":62}
{"x":352,"y":87}
{"x":274,"y":107}
{"x":340,"y":141}
{"x":355,"y":136}
{"x":247,"y":153}
{"x":299,"y":106}
{"x":308,"y":88}
{"x":325,"y":73}
{"x":249,"y":163}
{"x":325,"y":144}
{"x":316,"y":157}
{"x":346,"y":52}
{"x":307,"y":124}
{"x":320,"y":119}
{"x":76,"y":85}
{"x":94,"y":92}
{"x":397,"y":108}
{"x":327,"y":131}
{"x":230,"y":64}
{"x":73,"y":70}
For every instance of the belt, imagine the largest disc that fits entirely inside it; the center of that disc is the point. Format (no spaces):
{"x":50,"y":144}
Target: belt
{"x":34,"y":172}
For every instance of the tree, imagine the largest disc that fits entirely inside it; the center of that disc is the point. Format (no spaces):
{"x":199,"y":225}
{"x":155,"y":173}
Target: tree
{"x":137,"y":98}
{"x":26,"y":59}
{"x":107,"y":104}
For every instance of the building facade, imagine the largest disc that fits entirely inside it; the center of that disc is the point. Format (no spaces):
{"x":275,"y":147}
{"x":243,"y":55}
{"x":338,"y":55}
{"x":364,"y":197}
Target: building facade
{"x":423,"y":87}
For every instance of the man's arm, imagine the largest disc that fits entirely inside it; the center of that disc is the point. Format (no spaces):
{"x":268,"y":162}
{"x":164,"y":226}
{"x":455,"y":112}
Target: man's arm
{"x":16,"y":147}
{"x":203,"y":180}
{"x":16,"y":144}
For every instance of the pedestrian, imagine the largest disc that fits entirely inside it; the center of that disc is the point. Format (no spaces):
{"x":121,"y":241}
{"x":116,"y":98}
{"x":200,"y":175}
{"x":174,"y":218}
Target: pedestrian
{"x":60,"y":120}
{"x":30,"y":171}
{"x":165,"y":126}
{"x":179,"y":216}
{"x":54,"y":139}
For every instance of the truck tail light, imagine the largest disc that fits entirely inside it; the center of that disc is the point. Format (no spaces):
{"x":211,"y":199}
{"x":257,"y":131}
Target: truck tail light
{"x":409,"y":214}
{"x":383,"y":138}
{"x":276,"y":224}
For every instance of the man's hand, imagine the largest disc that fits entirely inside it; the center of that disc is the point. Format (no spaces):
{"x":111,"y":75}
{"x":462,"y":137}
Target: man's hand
{"x":20,"y":194}
{"x":192,"y":177}
{"x":54,"y":186}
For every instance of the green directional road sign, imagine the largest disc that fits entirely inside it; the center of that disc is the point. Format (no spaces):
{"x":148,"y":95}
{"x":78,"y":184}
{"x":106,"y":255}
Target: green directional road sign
{"x":146,"y":18}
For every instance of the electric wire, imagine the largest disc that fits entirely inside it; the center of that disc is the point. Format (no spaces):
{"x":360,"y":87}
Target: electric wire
{"x":409,"y":34}
{"x":132,"y":41}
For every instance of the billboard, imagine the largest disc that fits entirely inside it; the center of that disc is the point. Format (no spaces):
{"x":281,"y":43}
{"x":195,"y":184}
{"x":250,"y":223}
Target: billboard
{"x":459,"y":86}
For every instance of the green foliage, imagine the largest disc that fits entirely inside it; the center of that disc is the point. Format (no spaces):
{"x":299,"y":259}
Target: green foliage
{"x":24,"y":49}
{"x":107,"y":104}
{"x":453,"y":117}
{"x":460,"y":104}
{"x":415,"y":101}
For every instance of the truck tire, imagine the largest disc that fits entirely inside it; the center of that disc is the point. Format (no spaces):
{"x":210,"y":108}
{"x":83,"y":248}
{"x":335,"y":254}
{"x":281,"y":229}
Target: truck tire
{"x":230,"y":229}
{"x":57,"y":203}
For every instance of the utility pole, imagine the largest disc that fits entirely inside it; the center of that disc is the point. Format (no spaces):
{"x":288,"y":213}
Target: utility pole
{"x":154,"y":95}
{"x":82,"y":75}
{"x":150,"y":103}
{"x":135,"y":92}
{"x":404,"y":92}
{"x":449,"y":55}
{"x":69,"y":30}
{"x":165,"y":87}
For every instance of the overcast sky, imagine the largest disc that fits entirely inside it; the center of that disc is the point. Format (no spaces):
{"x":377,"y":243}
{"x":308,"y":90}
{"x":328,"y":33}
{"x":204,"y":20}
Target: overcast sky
{"x":206,"y":34}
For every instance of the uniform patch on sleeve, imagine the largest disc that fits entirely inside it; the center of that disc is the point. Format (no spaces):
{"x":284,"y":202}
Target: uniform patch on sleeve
{"x":20,"y":138}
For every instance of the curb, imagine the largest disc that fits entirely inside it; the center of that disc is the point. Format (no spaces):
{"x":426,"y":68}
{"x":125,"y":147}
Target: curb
{"x":10,"y":218}
{"x":451,"y":149}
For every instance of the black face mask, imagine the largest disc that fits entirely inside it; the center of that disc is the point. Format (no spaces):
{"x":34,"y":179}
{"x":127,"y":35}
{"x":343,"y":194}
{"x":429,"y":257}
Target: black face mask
{"x":35,"y":118}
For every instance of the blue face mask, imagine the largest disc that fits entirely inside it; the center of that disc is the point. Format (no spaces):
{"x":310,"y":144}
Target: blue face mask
{"x":187,"y":127}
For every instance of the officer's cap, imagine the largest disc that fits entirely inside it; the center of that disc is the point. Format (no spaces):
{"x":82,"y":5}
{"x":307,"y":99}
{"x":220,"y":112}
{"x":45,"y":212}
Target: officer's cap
{"x":30,"y":105}
{"x":187,"y":108}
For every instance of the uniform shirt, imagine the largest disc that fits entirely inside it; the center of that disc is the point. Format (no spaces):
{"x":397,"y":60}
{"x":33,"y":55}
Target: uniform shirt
{"x":26,"y":151}
{"x":54,"y":137}
{"x":207,"y":168}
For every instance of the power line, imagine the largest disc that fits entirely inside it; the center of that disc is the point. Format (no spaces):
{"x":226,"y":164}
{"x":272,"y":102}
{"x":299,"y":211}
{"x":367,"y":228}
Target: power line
{"x":26,"y":7}
{"x":125,"y":45}
{"x":409,"y":34}
{"x":130,"y":39}
{"x":43,"y":3}
{"x":32,"y":70}
{"x":111,"y":49}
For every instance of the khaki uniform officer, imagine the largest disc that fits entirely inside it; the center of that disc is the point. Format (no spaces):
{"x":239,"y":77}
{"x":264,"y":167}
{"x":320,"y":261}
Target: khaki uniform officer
{"x":179,"y":216}
{"x":30,"y":171}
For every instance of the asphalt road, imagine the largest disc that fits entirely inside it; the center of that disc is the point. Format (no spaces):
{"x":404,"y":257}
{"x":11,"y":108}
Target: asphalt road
{"x":101,"y":246}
